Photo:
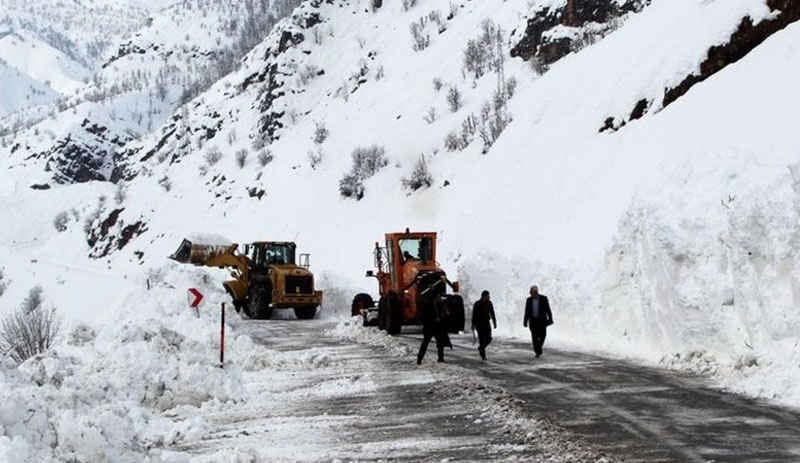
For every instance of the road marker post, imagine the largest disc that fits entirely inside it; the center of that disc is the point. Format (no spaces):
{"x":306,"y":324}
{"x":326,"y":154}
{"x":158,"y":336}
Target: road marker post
{"x":222,"y":338}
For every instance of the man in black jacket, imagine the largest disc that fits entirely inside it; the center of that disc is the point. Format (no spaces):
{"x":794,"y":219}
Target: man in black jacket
{"x":537,"y":312}
{"x":434,"y":325}
{"x":482,"y":314}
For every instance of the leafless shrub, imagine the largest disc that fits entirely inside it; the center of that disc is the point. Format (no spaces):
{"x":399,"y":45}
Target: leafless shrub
{"x":454,"y":99}
{"x":321,"y":133}
{"x":61,"y":221}
{"x":367,"y":161}
{"x":408,"y":4}
{"x":484,"y":53}
{"x":538,"y":66}
{"x":31,"y":329}
{"x":380,"y":72}
{"x":213,"y":155}
{"x":315,"y":158}
{"x":119,"y":193}
{"x":81,"y":335}
{"x":430,"y":116}
{"x":420,"y":176}
{"x":241,"y":158}
{"x":436,"y":18}
{"x":308,"y":72}
{"x":494,"y":118}
{"x":437,"y":84}
{"x":351,"y":186}
{"x":451,"y":141}
{"x":2,"y":283}
{"x":419,"y":35}
{"x":453,"y":10}
{"x":265,"y":157}
{"x":511,"y":87}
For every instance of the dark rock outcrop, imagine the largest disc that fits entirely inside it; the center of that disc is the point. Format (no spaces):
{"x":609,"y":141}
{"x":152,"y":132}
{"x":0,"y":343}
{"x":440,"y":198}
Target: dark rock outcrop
{"x":536,"y":44}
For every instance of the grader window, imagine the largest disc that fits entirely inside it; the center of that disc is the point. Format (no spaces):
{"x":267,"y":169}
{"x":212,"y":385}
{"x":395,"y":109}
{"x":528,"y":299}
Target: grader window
{"x":416,"y":249}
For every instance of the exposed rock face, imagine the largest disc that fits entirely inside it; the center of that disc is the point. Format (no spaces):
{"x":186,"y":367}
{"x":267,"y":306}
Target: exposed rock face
{"x":585,"y":18}
{"x":746,"y":37}
{"x":743,"y":41}
{"x":84,"y":155}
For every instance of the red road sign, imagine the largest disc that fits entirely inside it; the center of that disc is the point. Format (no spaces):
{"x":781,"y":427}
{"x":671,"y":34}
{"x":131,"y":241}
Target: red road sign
{"x":195,"y":297}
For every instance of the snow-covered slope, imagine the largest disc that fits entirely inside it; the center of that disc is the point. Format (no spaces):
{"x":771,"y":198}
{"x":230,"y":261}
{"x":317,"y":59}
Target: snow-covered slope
{"x":671,"y":237}
{"x":20,"y":90}
{"x":81,"y":29}
{"x":138,"y":86}
{"x":43,"y":62}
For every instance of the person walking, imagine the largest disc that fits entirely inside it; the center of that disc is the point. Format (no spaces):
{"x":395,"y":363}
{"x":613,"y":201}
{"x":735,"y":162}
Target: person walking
{"x":482,"y":315}
{"x":434,"y":325}
{"x":538,"y":317}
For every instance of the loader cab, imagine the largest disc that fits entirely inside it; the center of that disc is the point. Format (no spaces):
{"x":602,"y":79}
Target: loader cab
{"x":264,"y":254}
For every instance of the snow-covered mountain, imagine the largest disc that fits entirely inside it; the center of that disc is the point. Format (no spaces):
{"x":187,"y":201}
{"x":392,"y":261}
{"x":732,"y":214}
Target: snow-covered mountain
{"x":638,"y":160}
{"x":137,"y":88}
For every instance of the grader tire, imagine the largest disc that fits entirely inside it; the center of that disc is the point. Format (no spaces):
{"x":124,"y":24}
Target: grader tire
{"x":394,"y":312}
{"x":361,"y":302}
{"x":456,"y":319}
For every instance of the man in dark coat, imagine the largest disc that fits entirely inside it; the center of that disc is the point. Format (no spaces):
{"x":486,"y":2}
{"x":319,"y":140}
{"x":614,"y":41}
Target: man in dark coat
{"x":537,"y":313}
{"x":434,"y":325}
{"x":482,"y":315}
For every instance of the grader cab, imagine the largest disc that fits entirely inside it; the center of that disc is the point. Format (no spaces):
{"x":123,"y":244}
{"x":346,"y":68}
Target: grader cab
{"x":264,"y":275}
{"x":409,"y":282}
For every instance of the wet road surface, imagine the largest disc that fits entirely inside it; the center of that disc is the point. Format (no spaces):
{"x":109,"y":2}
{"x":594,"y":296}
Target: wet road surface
{"x":635,"y":412}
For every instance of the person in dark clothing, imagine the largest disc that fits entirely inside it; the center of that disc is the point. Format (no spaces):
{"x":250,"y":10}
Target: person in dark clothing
{"x":482,"y":314}
{"x":434,"y":325}
{"x":539,"y":316}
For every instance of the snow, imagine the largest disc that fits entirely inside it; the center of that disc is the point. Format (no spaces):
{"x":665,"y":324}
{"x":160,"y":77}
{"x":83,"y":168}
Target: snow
{"x":673,"y":240}
{"x":43,"y":63}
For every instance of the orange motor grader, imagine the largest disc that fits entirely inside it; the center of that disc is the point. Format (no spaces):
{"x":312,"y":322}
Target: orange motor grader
{"x":409,"y":282}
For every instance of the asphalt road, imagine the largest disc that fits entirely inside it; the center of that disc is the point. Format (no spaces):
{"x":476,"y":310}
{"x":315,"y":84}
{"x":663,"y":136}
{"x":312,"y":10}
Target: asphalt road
{"x":327,"y":398}
{"x":562,"y":407}
{"x":634,"y":412}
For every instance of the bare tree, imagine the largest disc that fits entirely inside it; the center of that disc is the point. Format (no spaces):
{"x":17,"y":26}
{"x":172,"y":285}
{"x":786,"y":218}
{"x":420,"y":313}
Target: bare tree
{"x":31,"y":329}
{"x":420,"y":176}
{"x":454,"y":99}
{"x":241,"y":157}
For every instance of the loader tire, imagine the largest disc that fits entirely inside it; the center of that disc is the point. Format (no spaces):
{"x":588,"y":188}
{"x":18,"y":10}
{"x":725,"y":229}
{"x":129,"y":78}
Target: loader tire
{"x":456,"y":319}
{"x":305,"y":313}
{"x":258,"y":304}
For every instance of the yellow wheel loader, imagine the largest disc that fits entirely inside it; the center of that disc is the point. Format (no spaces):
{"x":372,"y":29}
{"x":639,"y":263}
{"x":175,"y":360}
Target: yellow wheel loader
{"x":265,"y":275}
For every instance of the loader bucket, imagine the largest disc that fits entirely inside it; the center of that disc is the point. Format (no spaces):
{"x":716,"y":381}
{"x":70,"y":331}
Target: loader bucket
{"x":198,"y":254}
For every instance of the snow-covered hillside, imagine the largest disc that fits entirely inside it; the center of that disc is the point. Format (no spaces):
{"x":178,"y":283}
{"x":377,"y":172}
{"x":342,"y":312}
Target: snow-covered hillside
{"x":139,"y":85}
{"x":664,"y":230}
{"x":20,"y":90}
